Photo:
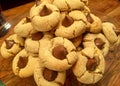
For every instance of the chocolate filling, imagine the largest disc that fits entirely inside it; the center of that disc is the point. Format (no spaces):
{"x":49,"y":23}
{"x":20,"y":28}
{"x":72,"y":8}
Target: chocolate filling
{"x":22,"y":62}
{"x":49,"y":75}
{"x":59,"y":52}
{"x":91,"y":64}
{"x":89,"y":18}
{"x":9,"y":43}
{"x":67,"y":21}
{"x":45,"y":11}
{"x":99,"y":43}
{"x":37,"y":36}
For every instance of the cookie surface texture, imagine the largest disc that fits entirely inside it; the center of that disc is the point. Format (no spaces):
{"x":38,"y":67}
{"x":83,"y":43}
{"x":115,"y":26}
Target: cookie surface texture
{"x":57,"y":54}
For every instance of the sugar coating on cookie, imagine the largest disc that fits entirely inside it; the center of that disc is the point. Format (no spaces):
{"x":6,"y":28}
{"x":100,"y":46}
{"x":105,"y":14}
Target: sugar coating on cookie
{"x":90,"y":66}
{"x":97,"y":40}
{"x":57,"y":54}
{"x":24,"y":28}
{"x":11,"y":46}
{"x":71,"y":25}
{"x":45,"y":17}
{"x":46,"y":77}
{"x":23,"y":65}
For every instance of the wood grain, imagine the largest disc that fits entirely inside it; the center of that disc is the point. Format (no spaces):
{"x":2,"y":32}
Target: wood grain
{"x":107,"y":10}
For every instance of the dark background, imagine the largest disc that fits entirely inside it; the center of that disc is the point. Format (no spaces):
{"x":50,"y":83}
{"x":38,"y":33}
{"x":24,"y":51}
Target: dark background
{"x":7,"y":4}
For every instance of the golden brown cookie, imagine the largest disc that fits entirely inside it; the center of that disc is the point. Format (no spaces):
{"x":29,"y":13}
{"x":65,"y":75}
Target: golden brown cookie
{"x":44,"y":17}
{"x":97,"y":40}
{"x":90,"y":66}
{"x":11,"y":46}
{"x":23,"y":65}
{"x":71,"y":25}
{"x":46,"y":77}
{"x":57,"y":54}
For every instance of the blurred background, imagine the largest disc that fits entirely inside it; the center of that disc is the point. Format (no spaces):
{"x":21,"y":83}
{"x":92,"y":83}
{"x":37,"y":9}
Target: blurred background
{"x":7,"y":4}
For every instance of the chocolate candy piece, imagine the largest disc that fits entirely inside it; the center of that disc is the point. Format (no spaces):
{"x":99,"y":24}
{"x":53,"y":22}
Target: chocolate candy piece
{"x":9,"y":43}
{"x":22,"y":62}
{"x":28,"y":20}
{"x":37,"y":36}
{"x":89,"y":18}
{"x":67,"y":21}
{"x":49,"y":75}
{"x":45,"y":11}
{"x":59,"y":52}
{"x":99,"y":43}
{"x":91,"y":64}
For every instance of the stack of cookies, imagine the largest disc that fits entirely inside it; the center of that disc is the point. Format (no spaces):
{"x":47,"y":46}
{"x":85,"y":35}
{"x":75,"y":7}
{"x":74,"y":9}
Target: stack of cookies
{"x":60,"y":43}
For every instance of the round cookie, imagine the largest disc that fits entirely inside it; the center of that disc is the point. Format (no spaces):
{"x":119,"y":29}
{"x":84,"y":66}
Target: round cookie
{"x":23,"y":65}
{"x":108,"y":30}
{"x":71,"y":25}
{"x":96,"y":40}
{"x":32,"y":44}
{"x":24,"y":28}
{"x":58,"y":55}
{"x":44,"y":17}
{"x":68,"y":5}
{"x":11,"y":46}
{"x":95,"y":24}
{"x":47,"y":77}
{"x":90,"y":66}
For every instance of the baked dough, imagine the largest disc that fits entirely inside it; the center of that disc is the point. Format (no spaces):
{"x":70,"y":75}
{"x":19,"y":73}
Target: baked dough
{"x":90,"y":66}
{"x":101,"y":43}
{"x":71,"y":25}
{"x":95,"y":24}
{"x":25,"y":67}
{"x":44,"y":17}
{"x":48,"y":58}
{"x":11,"y":46}
{"x":68,"y":5}
{"x":24,"y":28}
{"x":41,"y":81}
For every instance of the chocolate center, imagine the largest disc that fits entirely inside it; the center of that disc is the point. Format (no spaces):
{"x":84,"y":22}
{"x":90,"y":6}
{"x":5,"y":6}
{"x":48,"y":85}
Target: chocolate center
{"x":59,"y":52}
{"x":9,"y":43}
{"x":91,"y":64}
{"x":89,"y":18}
{"x":45,"y":11}
{"x":22,"y":62}
{"x":67,"y":21}
{"x":37,"y":36}
{"x":49,"y":75}
{"x":28,"y":20}
{"x":99,"y":43}
{"x":117,"y":31}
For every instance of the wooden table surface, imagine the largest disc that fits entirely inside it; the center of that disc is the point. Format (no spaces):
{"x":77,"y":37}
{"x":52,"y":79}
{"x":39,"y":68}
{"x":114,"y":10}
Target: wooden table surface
{"x":107,"y":10}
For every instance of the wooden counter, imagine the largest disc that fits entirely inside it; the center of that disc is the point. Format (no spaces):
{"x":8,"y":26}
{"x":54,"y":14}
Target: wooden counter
{"x":107,"y":10}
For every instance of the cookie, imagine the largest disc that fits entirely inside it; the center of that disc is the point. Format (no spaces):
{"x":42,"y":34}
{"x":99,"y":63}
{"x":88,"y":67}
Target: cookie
{"x":24,"y":28}
{"x":46,"y":77}
{"x":97,"y":40}
{"x":32,"y":43}
{"x":11,"y":46}
{"x":68,"y":5}
{"x":90,"y":66}
{"x":57,"y":54}
{"x":44,"y":17}
{"x":95,"y":24}
{"x":108,"y":30}
{"x":71,"y":25}
{"x":23,"y":65}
